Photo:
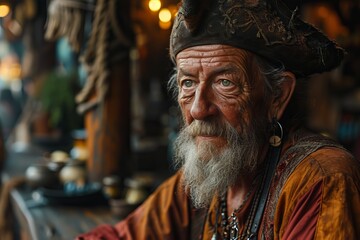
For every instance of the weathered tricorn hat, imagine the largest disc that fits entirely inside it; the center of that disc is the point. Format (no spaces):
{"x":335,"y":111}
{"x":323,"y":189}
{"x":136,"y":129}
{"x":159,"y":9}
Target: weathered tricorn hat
{"x":265,"y":27}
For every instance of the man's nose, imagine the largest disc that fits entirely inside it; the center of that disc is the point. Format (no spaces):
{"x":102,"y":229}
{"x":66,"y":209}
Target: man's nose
{"x":203,"y":105}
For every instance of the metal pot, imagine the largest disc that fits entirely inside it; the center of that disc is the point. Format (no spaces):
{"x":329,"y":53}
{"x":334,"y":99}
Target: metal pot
{"x":39,"y":175}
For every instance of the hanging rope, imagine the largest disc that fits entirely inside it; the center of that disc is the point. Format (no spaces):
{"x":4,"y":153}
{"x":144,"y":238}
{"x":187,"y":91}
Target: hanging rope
{"x":108,"y":43}
{"x":67,"y":18}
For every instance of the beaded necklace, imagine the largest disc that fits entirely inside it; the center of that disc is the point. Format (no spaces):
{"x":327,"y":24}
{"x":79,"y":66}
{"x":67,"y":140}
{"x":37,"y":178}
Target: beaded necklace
{"x":230,"y":225}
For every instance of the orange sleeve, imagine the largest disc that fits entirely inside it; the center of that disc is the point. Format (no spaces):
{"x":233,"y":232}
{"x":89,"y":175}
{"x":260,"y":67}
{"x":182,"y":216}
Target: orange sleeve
{"x":339,"y":216}
{"x":164,"y":215}
{"x":321,"y":199}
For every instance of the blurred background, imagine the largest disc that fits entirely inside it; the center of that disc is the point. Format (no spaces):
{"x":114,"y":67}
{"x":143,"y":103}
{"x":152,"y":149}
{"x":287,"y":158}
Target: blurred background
{"x":61,"y":61}
{"x":86,"y":80}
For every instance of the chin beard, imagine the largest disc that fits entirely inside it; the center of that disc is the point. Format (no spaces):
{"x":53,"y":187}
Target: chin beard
{"x":205,"y":177}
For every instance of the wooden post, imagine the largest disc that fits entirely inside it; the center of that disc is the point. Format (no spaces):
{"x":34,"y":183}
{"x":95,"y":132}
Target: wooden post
{"x":108,"y":128}
{"x":105,"y":98}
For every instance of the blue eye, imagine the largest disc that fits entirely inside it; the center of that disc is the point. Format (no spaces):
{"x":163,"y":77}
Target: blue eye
{"x":225,"y":82}
{"x":188,"y":83}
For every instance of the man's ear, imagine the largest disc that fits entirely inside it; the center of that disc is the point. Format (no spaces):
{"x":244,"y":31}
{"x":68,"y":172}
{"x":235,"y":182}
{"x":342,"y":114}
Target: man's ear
{"x":280,"y":102}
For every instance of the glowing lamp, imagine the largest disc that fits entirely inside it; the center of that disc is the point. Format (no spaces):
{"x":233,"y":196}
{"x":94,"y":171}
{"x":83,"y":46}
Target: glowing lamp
{"x":4,"y":9}
{"x":165,"y":15}
{"x":154,"y":5}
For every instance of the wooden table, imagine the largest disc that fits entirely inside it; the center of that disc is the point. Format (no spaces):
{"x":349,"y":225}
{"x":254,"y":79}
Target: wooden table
{"x":44,"y":222}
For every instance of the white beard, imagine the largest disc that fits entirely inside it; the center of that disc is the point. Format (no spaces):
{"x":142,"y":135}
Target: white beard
{"x":207,"y":177}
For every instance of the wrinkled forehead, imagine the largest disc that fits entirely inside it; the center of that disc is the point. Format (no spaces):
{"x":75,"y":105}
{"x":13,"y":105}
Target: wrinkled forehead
{"x":216,"y":54}
{"x":217,"y":58}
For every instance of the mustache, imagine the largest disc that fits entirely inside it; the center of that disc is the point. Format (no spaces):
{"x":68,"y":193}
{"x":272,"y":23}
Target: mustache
{"x":198,"y":127}
{"x":211,"y":128}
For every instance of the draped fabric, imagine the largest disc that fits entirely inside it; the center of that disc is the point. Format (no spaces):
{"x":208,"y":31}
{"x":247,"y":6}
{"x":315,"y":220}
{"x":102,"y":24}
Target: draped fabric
{"x":318,"y":199}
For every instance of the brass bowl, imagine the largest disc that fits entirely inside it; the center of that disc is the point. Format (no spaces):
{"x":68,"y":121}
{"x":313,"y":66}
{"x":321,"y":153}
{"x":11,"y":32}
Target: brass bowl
{"x":40,"y":175}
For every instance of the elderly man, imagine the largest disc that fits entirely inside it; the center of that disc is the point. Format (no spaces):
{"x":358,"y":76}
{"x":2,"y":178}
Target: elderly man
{"x":248,"y":170}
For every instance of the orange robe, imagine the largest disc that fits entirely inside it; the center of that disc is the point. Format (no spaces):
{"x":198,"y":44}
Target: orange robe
{"x":318,"y":198}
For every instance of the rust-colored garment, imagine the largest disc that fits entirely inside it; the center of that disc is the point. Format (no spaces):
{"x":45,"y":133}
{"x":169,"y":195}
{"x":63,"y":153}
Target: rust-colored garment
{"x":318,"y":199}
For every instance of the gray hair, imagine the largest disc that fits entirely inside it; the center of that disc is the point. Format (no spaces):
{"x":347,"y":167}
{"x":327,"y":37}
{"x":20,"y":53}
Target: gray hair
{"x":273,"y":74}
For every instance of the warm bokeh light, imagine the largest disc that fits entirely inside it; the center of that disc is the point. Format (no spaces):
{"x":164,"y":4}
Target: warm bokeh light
{"x":10,"y":69}
{"x":4,"y":10}
{"x":12,"y":73}
{"x":154,"y":5}
{"x":165,"y":15}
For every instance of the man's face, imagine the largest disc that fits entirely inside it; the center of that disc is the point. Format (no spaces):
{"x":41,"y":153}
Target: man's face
{"x":221,"y":95}
{"x":219,"y":82}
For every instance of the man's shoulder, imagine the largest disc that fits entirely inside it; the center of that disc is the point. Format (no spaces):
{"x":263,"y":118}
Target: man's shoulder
{"x":329,"y":162}
{"x":325,"y":163}
{"x":322,"y":154}
{"x":311,"y":158}
{"x":332,"y":160}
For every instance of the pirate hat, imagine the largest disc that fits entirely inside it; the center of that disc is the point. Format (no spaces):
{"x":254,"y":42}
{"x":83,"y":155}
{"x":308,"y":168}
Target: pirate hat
{"x":265,"y":27}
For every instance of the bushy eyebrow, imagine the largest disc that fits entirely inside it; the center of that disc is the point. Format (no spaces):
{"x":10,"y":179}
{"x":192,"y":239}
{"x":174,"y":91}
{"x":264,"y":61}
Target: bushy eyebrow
{"x":228,"y":69}
{"x":182,"y":72}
